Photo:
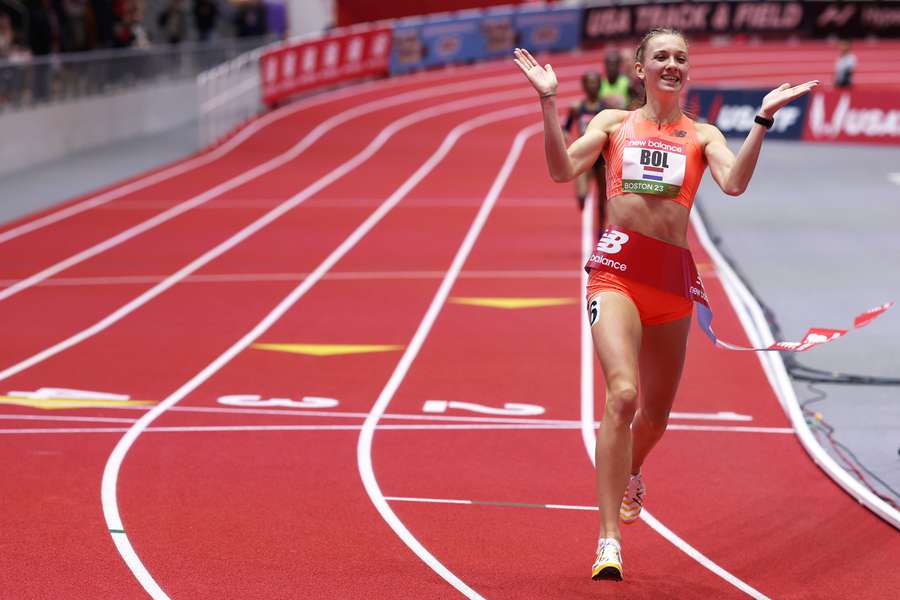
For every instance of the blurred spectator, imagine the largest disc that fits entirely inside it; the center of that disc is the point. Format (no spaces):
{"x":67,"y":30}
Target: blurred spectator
{"x":128,"y":31}
{"x":7,"y":36}
{"x":43,"y":37}
{"x":844,"y":66}
{"x":11,"y":53}
{"x":73,"y":20}
{"x":206,"y":13}
{"x":250,"y":19}
{"x":43,"y":28}
{"x":104,"y":23}
{"x":173,"y":21}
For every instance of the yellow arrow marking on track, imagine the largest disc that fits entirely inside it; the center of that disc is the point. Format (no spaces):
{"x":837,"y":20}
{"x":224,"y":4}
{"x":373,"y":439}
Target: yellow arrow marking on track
{"x":328,"y":349}
{"x":513,"y":303}
{"x":54,"y":403}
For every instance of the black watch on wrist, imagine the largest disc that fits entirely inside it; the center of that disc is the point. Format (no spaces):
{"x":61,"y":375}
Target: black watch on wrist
{"x":767,"y":123}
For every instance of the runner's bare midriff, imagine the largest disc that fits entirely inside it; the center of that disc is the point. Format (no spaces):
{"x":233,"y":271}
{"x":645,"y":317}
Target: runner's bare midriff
{"x":651,"y":216}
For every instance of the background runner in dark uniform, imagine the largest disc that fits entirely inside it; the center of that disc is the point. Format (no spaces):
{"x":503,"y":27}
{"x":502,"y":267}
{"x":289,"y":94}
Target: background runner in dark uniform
{"x":580,"y":114}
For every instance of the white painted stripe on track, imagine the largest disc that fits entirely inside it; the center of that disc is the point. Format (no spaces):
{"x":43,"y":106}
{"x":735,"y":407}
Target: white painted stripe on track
{"x":295,"y":277}
{"x":754,"y":322}
{"x":113,"y":465}
{"x":359,"y":427}
{"x":420,"y":417}
{"x":589,"y":439}
{"x":503,"y":504}
{"x":69,"y":419}
{"x":364,"y":446}
{"x":261,"y":222}
{"x":254,"y":173}
{"x":242,"y":136}
{"x":426,"y":500}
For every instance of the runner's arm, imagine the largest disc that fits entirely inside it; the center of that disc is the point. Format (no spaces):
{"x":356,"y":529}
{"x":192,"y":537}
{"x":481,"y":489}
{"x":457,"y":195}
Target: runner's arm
{"x":731,"y":172}
{"x":564,"y":165}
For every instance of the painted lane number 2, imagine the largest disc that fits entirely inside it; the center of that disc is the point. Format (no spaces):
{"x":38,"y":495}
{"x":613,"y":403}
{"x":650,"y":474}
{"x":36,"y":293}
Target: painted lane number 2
{"x":510,"y":409}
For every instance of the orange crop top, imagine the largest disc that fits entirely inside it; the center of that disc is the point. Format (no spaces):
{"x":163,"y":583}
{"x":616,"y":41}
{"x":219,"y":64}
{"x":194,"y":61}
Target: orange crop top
{"x":666,"y":162}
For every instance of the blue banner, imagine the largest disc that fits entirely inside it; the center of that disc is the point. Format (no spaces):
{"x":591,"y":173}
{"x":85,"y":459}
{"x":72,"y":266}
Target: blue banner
{"x":436,"y":42}
{"x":732,"y":111}
{"x":477,"y":35}
{"x":550,"y":29}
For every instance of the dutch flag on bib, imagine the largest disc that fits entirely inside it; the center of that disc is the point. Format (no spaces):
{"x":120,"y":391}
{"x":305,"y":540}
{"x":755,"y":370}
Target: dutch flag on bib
{"x":653,"y":173}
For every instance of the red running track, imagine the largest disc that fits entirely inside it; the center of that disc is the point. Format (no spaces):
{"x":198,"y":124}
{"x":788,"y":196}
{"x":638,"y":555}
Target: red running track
{"x":276,"y":500}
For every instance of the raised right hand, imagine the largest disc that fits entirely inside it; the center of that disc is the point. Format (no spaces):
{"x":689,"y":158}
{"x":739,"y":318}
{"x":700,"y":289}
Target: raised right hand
{"x":542,"y":78}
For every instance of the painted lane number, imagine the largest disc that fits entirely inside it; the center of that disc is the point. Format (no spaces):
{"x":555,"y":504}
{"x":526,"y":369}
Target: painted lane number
{"x":256,"y":401}
{"x":510,"y":409}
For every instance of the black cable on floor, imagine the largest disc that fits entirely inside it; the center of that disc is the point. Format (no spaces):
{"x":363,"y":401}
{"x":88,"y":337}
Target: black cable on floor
{"x":817,"y":422}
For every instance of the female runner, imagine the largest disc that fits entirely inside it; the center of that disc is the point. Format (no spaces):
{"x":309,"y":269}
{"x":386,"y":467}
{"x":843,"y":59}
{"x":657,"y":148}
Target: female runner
{"x":655,"y":158}
{"x":581,"y":113}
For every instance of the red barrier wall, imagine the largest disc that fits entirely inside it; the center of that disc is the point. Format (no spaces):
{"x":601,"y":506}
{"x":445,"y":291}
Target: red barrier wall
{"x":343,"y":55}
{"x":350,"y":12}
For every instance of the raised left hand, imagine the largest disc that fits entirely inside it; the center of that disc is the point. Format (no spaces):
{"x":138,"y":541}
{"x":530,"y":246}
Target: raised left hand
{"x":783,"y":94}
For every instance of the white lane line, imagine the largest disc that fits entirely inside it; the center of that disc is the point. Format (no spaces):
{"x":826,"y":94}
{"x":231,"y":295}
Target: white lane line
{"x":358,"y":427}
{"x":336,"y":204}
{"x":424,"y":417}
{"x":434,"y":417}
{"x":13,"y":417}
{"x":259,"y":428}
{"x":588,"y":436}
{"x":242,"y":136}
{"x":505,"y":504}
{"x":293,"y":277}
{"x":364,"y":446}
{"x":263,"y":221}
{"x":114,"y":463}
{"x":426,"y":500}
{"x":249,"y":175}
{"x":758,"y":332}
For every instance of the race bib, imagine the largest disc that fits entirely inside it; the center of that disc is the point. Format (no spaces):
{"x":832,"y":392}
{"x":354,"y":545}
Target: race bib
{"x":653,"y":166}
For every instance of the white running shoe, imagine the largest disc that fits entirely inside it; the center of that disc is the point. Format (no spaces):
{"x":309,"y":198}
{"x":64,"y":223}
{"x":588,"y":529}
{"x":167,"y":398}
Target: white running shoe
{"x":633,"y":500}
{"x":608,"y":564}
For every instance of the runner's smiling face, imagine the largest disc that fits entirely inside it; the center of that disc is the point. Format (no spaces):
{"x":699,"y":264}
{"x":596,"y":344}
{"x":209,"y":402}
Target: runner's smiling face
{"x":665,"y":66}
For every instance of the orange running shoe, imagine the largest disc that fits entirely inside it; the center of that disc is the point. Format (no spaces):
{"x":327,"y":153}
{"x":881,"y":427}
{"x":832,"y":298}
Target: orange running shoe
{"x":633,"y":500}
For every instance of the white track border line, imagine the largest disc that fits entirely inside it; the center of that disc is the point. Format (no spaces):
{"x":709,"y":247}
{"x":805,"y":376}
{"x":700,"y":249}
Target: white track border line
{"x":263,"y":221}
{"x":356,"y":427}
{"x":364,"y":446}
{"x":212,"y":155}
{"x":588,"y":434}
{"x":297,"y":412}
{"x":249,"y":175}
{"x":114,"y":462}
{"x":757,"y":328}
